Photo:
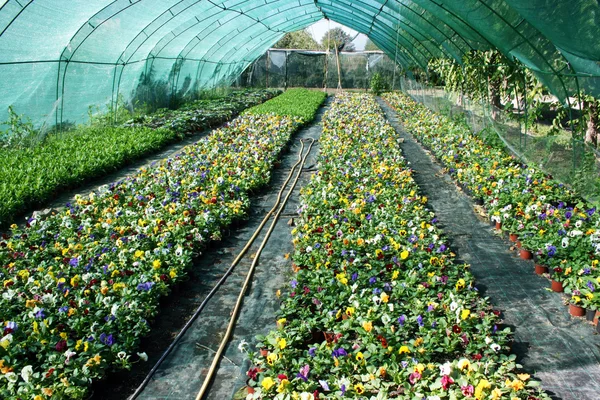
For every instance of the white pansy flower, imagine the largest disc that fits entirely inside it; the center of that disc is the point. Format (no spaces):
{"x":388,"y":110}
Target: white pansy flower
{"x":26,"y":373}
{"x":445,"y":369}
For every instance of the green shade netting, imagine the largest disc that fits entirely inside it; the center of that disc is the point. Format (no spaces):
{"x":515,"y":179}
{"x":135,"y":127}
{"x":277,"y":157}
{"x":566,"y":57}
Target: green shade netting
{"x":58,"y":58}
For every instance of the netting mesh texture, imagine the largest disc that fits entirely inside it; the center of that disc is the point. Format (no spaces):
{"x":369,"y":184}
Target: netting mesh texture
{"x":57,"y":58}
{"x":318,"y":69}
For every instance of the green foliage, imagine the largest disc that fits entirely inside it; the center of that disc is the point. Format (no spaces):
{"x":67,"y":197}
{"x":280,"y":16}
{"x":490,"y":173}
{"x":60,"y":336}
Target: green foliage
{"x":490,"y":136}
{"x":585,"y":178}
{"x":378,"y":84}
{"x":297,"y":40}
{"x":20,"y":131}
{"x":370,"y":46}
{"x":337,"y":37}
{"x":300,"y":103}
{"x":488,"y":76}
{"x":114,"y":114}
{"x":34,"y":172}
{"x":208,"y":112}
{"x":32,"y":175}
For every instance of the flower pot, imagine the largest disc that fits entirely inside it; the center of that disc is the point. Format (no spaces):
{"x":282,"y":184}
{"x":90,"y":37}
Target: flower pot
{"x":590,"y":314}
{"x":541,"y":269}
{"x":498,"y":226}
{"x":557,"y":286}
{"x":596,"y":317}
{"x":513,"y":237}
{"x":576,"y":310}
{"x":519,"y":244}
{"x":525,"y":254}
{"x":264,"y":352}
{"x":598,"y":328}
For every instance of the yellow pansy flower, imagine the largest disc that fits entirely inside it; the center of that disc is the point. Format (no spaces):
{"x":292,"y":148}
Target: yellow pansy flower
{"x":268,"y":383}
{"x":281,"y":343}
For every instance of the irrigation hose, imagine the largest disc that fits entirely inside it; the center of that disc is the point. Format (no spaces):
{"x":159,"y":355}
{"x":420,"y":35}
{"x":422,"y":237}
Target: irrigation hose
{"x":238,"y":304}
{"x":223,"y":278}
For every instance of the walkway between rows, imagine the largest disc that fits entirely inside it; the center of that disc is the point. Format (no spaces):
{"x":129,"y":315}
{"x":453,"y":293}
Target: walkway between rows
{"x":182,"y":373}
{"x":563,"y":352}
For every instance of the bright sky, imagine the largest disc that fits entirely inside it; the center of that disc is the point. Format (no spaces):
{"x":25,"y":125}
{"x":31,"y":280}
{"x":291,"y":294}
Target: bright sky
{"x":318,"y":29}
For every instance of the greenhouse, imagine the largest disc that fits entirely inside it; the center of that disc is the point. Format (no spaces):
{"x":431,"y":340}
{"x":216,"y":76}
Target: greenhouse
{"x":299,"y":200}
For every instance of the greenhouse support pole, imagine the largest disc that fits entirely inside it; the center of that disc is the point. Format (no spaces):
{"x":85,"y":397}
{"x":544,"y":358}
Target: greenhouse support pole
{"x":327,"y":59}
{"x":526,"y":110}
{"x":326,"y":69}
{"x":249,"y":81}
{"x":395,"y":58}
{"x":287,"y":54}
{"x":337,"y":59}
{"x":267,"y":69}
{"x":488,"y":108}
{"x":518,"y":106}
{"x":367,"y":74}
{"x":581,"y":123}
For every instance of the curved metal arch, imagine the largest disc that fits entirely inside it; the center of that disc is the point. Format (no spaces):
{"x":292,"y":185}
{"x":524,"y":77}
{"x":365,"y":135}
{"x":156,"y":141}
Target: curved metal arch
{"x":82,"y":30}
{"x":142,"y":32}
{"x":392,"y":17}
{"x":418,"y":30}
{"x":181,"y":56}
{"x":404,"y":61}
{"x":254,"y":53}
{"x":156,"y":52}
{"x":409,"y":28}
{"x":60,"y":82}
{"x":421,"y":19}
{"x":434,"y":26}
{"x":526,"y":40}
{"x":298,"y":24}
{"x":250,"y":54}
{"x":384,"y":42}
{"x":151,"y":58}
{"x":169,"y":10}
{"x":388,"y":30}
{"x":387,"y":39}
{"x":353,"y":24}
{"x":208,"y":52}
{"x":456,"y":18}
{"x":164,"y":42}
{"x":284,"y":23}
{"x":16,"y":15}
{"x":401,"y":19}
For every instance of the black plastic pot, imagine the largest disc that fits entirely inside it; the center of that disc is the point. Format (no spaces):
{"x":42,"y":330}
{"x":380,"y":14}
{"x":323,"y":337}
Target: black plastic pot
{"x":590,"y":314}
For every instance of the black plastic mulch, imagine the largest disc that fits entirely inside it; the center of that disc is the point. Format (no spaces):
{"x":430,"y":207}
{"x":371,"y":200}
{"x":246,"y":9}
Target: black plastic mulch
{"x":563,"y":352}
{"x":183,"y":372}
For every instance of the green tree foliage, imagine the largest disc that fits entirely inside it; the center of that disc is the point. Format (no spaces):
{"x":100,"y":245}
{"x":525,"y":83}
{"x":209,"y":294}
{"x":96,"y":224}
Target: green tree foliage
{"x":297,"y":40}
{"x":490,"y":76}
{"x":370,"y":46}
{"x":336,"y":37}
